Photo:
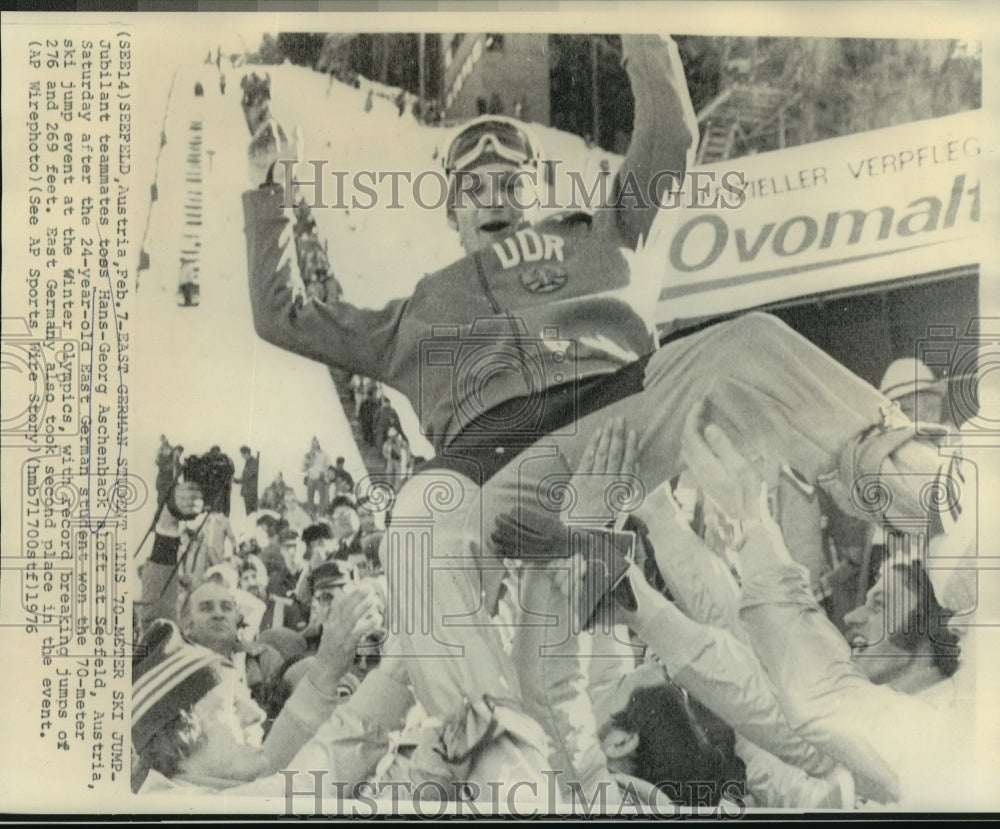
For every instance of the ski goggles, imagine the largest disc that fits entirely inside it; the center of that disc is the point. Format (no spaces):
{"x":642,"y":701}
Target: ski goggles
{"x":505,"y":139}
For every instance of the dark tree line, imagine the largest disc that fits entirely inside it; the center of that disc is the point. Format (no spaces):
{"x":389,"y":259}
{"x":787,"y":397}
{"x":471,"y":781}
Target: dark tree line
{"x":834,"y":86}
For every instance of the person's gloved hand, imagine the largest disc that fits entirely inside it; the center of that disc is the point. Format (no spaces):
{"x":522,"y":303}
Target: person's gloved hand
{"x":184,"y":502}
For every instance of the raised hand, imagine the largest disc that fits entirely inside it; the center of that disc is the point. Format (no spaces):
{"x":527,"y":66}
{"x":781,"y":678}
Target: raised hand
{"x":729,"y":478}
{"x":726,"y":476}
{"x":604,"y":484}
{"x":605,"y":481}
{"x":350,"y":618}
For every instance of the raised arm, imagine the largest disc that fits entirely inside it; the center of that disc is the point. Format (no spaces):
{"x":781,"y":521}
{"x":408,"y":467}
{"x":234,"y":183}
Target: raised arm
{"x":722,"y":673}
{"x":160,"y":585}
{"x":710,"y":662}
{"x":877,"y":733}
{"x":312,"y":703}
{"x":335,"y":333}
{"x":664,"y":133}
{"x":700,"y":583}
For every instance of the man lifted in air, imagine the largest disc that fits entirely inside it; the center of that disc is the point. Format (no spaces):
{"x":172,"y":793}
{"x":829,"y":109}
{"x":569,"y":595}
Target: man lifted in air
{"x":547,"y":335}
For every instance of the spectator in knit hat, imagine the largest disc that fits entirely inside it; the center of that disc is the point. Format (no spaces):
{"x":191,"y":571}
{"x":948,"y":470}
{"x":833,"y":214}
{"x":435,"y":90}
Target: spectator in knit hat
{"x":196,"y":730}
{"x":320,"y":547}
{"x":178,"y":692}
{"x":279,"y":611}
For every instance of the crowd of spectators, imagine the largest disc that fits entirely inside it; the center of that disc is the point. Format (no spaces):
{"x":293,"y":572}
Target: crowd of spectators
{"x":260,"y":603}
{"x":380,"y":428}
{"x":740,"y":687}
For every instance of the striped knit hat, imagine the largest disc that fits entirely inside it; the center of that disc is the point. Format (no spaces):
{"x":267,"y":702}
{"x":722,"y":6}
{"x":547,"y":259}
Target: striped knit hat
{"x":168,"y":675}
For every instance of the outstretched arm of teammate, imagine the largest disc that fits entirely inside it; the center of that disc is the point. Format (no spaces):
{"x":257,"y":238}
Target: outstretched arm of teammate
{"x":871,"y":729}
{"x":711,"y":663}
{"x":721,"y":672}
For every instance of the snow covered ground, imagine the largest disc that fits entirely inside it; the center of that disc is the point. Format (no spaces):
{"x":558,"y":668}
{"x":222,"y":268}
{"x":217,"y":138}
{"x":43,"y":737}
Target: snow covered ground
{"x":200,"y":375}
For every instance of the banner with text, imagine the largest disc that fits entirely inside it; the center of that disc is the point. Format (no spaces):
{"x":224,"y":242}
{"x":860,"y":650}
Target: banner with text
{"x":835,"y":214}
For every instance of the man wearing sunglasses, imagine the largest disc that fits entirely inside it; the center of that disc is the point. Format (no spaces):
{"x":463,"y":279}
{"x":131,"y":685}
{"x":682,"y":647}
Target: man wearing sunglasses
{"x":517,"y":351}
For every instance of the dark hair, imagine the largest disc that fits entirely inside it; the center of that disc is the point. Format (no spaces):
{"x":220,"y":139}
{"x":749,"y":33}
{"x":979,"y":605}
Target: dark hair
{"x":175,"y":742}
{"x":927,"y":622}
{"x":273,"y":692}
{"x":314,"y":532}
{"x":270,"y":523}
{"x":343,"y":501}
{"x":684,"y":750}
{"x":244,"y":450}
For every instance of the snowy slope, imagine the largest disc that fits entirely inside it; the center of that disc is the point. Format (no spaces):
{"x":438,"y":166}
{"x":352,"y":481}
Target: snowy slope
{"x":201,"y":375}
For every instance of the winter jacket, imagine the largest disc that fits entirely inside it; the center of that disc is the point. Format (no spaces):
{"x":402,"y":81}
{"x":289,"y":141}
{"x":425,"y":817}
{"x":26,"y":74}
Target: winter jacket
{"x":557,"y":296}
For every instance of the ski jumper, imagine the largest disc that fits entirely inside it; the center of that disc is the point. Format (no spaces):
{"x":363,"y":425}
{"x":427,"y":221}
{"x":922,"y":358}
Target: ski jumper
{"x":554,"y":305}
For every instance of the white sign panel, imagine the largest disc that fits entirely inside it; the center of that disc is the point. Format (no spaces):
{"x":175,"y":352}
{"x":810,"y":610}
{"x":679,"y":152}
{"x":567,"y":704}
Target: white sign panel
{"x":836,"y":214}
